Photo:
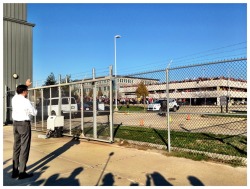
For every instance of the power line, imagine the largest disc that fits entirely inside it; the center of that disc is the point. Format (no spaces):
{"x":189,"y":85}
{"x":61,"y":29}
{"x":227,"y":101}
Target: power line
{"x":199,"y":57}
{"x":179,"y":61}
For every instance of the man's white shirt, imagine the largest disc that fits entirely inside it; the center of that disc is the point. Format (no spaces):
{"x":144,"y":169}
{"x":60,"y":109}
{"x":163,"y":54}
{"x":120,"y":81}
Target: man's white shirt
{"x":22,"y":108}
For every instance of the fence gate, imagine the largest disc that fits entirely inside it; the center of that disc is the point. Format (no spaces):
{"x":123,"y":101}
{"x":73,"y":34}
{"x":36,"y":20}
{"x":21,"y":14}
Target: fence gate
{"x":86,"y":107}
{"x":7,"y":116}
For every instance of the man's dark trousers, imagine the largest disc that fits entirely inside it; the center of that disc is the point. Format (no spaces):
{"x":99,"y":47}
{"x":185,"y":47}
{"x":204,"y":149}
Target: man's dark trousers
{"x":21,"y":148}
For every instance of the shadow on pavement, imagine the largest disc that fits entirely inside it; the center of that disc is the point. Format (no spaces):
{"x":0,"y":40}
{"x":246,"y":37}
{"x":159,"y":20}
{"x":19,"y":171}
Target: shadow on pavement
{"x":195,"y":181}
{"x":54,"y":180}
{"x":42,"y":165}
{"x":45,"y":160}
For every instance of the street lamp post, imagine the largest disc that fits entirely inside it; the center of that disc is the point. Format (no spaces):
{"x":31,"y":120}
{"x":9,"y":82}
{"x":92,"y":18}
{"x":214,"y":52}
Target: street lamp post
{"x":116,"y":109}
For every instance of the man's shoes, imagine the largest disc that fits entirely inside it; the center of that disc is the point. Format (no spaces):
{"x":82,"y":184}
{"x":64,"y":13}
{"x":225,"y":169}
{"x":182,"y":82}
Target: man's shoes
{"x":15,"y":174}
{"x":25,"y":175}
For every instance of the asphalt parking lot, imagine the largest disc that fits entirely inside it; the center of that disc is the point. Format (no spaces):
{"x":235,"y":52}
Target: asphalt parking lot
{"x":178,"y":120}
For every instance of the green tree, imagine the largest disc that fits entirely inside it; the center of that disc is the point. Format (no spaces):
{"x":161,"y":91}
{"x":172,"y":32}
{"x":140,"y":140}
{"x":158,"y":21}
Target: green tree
{"x":50,"y":80}
{"x":65,"y":89}
{"x":54,"y":90}
{"x":67,"y":79}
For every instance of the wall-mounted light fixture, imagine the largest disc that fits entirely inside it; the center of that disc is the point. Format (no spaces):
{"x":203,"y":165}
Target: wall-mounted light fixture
{"x":15,"y":76}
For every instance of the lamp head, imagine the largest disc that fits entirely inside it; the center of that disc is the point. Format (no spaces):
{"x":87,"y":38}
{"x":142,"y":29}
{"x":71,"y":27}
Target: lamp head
{"x":15,"y":76}
{"x":117,"y":36}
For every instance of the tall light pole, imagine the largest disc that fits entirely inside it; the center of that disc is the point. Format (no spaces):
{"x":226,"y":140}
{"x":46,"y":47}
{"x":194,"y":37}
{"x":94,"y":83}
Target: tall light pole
{"x":116,"y":109}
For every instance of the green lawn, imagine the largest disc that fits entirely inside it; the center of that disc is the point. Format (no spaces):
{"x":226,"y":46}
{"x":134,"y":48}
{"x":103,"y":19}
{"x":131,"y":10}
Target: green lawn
{"x":244,"y":115}
{"x":220,"y":144}
{"x":132,"y":108}
{"x":203,"y":142}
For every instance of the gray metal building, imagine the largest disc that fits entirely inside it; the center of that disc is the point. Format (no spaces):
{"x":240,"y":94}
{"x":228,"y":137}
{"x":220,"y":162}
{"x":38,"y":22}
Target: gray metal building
{"x":17,"y":51}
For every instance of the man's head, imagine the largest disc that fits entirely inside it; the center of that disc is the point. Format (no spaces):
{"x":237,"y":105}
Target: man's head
{"x":22,"y":89}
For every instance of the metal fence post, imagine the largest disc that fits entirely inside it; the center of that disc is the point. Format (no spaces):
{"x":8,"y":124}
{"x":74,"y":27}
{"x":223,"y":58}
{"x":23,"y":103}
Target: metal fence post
{"x":82,"y":109}
{"x":94,"y":106}
{"x":70,"y":118}
{"x":5,"y":105}
{"x":42,"y":108}
{"x":168,"y":120}
{"x":60,"y":97}
{"x":35,"y":107}
{"x":50,"y":101}
{"x":111,"y":116}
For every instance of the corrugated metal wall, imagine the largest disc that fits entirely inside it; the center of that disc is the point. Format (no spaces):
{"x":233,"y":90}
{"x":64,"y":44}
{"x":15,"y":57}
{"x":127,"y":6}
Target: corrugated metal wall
{"x":17,"y":46}
{"x":17,"y":52}
{"x":15,"y":10}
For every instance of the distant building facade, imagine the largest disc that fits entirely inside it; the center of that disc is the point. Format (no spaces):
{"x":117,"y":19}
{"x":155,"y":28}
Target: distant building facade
{"x":122,"y":81}
{"x":202,"y":91}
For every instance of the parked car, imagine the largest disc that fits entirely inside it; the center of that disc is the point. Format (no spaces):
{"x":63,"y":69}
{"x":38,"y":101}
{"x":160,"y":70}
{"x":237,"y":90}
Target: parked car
{"x":239,"y":102}
{"x":101,"y":108}
{"x":159,"y":105}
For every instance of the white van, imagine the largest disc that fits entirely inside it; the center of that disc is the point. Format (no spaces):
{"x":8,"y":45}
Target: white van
{"x":68,"y":105}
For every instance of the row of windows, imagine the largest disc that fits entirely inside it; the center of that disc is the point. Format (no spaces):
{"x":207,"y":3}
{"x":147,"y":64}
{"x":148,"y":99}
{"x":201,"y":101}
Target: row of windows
{"x":100,"y":89}
{"x":107,"y":88}
{"x":125,"y":81}
{"x":98,"y":82}
{"x":193,"y":90}
{"x":119,"y":81}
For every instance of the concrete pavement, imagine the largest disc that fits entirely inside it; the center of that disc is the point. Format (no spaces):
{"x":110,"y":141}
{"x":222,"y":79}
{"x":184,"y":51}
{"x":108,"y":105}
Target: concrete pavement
{"x":66,"y":162}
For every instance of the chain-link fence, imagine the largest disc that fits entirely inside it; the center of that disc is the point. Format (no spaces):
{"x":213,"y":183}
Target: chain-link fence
{"x":214,"y":117}
{"x":207,"y":111}
{"x":200,"y":109}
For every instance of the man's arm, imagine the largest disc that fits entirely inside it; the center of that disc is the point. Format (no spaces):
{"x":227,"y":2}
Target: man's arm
{"x":31,"y":110}
{"x":28,"y":82}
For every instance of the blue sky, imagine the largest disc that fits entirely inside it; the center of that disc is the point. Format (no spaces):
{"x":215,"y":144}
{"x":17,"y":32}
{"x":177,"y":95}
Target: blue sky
{"x":71,"y":39}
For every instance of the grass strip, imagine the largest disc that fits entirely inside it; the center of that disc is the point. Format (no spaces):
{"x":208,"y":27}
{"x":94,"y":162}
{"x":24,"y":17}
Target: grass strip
{"x":131,"y":108}
{"x":207,"y":142}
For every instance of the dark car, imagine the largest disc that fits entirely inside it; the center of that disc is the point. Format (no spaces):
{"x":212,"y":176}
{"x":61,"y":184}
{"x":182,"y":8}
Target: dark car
{"x":101,"y":109}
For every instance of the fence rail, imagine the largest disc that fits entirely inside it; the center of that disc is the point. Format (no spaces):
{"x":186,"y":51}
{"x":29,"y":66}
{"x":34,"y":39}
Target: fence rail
{"x":207,"y":116}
